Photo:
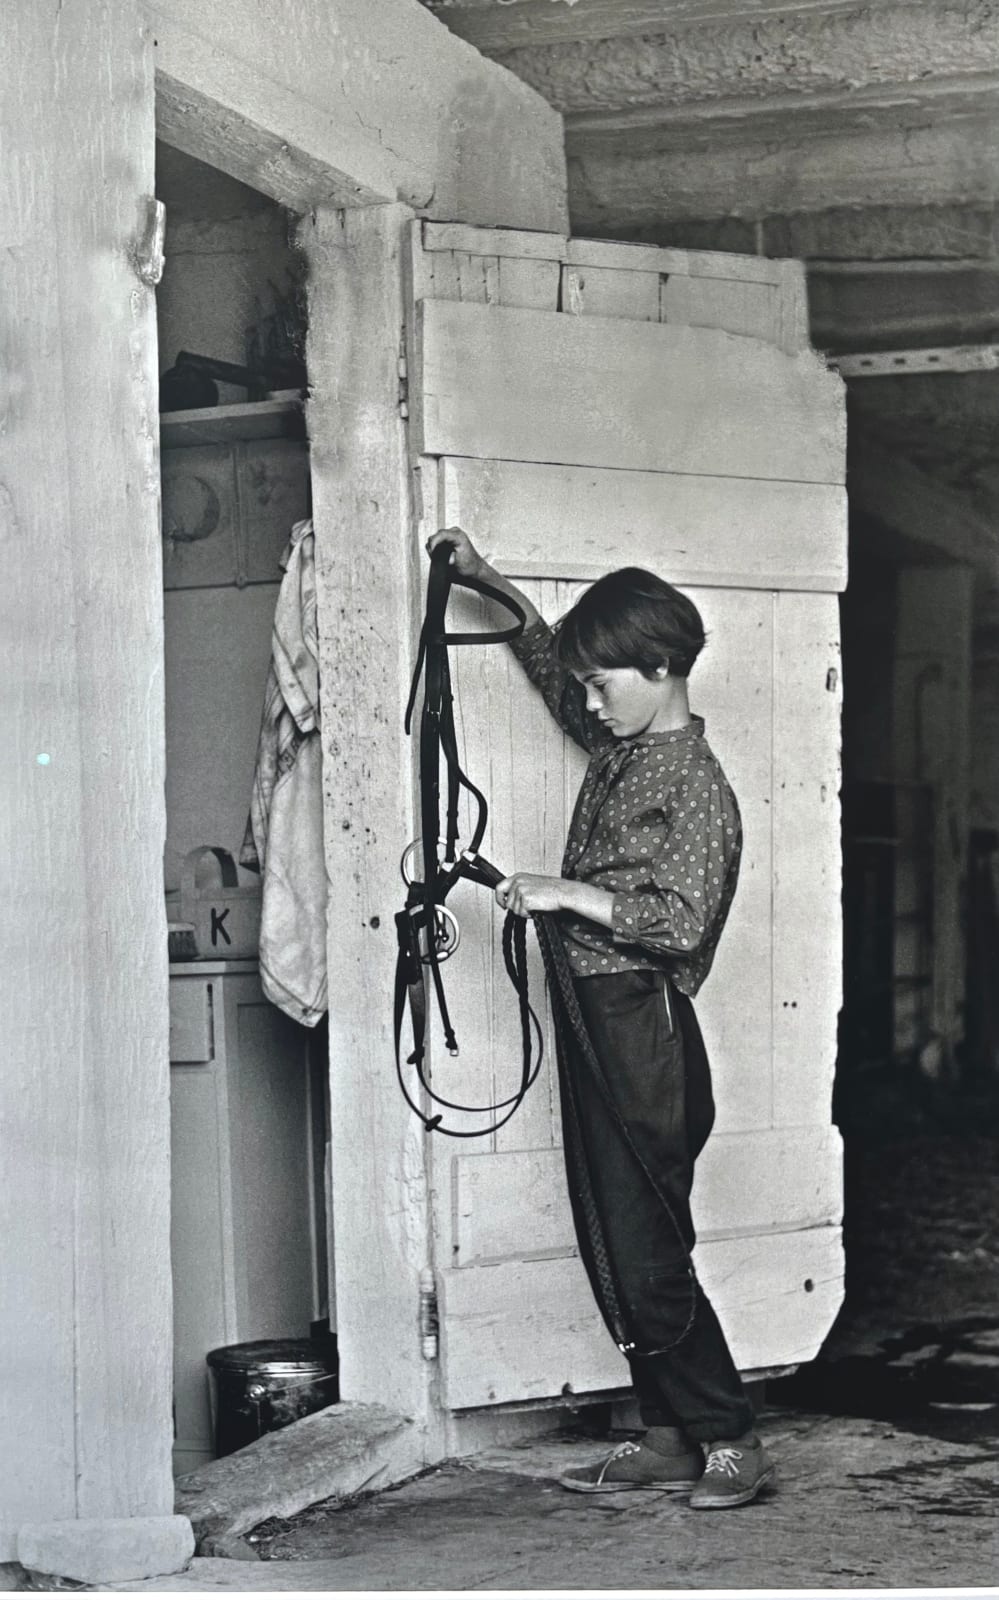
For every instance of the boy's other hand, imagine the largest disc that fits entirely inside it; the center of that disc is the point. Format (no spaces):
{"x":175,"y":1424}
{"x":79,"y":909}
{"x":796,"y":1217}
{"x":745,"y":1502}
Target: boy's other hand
{"x":525,"y":892}
{"x":465,"y":558}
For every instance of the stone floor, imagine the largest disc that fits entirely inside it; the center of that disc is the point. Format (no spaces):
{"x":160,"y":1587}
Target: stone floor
{"x":888,"y":1446}
{"x":860,"y":1505}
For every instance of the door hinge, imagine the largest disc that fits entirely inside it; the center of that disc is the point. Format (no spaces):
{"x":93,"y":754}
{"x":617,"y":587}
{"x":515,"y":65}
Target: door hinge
{"x":896,"y":363}
{"x":402,"y":369}
{"x":428,"y":1315}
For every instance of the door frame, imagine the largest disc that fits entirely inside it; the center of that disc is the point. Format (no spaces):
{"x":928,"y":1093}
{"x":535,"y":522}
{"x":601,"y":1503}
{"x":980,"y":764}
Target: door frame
{"x":356,"y":196}
{"x":378,"y":1195}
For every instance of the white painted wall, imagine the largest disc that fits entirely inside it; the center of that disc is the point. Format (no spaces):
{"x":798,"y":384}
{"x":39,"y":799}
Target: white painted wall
{"x":357,"y":102}
{"x":84,"y":1188}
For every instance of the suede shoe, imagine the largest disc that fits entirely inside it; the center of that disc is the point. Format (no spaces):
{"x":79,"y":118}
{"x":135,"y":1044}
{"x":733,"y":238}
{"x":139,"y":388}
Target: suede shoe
{"x":638,"y":1466}
{"x":734,"y":1474}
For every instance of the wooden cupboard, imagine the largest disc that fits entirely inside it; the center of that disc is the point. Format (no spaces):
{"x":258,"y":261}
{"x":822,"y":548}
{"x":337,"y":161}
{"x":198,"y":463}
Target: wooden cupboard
{"x":247,"y":1145}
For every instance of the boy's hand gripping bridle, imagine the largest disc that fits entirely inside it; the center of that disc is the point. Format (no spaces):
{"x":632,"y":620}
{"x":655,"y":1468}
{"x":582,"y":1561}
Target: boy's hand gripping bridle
{"x":427,"y":930}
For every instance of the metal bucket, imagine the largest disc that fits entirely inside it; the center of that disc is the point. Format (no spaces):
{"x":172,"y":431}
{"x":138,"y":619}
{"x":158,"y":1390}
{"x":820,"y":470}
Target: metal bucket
{"x":263,"y":1385}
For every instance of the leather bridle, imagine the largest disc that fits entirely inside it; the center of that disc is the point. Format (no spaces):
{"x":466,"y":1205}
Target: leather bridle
{"x":427,"y":929}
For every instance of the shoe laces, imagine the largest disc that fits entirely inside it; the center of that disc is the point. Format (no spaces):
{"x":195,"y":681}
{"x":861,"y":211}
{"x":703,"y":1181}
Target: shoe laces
{"x":628,"y":1448}
{"x":723,"y":1461}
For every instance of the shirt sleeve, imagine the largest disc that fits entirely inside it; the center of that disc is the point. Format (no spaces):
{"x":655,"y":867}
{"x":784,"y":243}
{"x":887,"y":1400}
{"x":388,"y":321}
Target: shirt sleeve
{"x":691,"y":876}
{"x":564,"y":697}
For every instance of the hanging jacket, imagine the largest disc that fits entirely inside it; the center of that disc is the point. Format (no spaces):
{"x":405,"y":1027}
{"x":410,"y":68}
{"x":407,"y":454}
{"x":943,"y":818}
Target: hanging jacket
{"x":284,"y":833}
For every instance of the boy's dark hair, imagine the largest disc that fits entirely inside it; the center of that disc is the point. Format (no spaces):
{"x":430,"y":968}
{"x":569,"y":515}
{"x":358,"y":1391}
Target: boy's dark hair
{"x":631,"y":618}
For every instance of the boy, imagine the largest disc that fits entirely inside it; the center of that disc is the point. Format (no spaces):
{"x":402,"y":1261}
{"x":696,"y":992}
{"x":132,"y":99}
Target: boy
{"x":648,"y":877}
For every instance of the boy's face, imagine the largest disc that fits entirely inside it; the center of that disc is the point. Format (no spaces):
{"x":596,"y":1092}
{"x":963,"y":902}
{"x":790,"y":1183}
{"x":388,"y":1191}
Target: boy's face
{"x":626,"y":701}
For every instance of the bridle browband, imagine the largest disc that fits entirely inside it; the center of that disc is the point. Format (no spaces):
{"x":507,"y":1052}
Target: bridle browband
{"x":427,"y":930}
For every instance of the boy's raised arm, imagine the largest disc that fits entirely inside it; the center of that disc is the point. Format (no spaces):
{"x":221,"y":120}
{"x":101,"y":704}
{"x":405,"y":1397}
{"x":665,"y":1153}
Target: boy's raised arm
{"x":535,"y":648}
{"x":469,"y":564}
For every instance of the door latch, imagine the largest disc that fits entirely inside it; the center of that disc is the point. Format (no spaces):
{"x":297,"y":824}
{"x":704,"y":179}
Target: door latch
{"x":428,"y":1316}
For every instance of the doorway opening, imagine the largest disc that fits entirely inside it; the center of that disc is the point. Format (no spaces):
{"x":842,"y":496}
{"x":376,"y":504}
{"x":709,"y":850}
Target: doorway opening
{"x":250,"y":1240}
{"x":916,"y":1093}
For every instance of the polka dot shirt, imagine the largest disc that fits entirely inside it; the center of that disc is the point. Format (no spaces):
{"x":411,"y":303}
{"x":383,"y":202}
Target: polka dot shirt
{"x":656,"y":823}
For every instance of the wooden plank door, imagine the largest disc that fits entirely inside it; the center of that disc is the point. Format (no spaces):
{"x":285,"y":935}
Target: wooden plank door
{"x":576,"y":407}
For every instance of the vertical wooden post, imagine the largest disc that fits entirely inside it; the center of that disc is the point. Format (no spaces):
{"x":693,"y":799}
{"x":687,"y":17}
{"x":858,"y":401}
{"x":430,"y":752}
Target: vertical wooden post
{"x":933,"y":746}
{"x":85,"y":1399}
{"x":366,"y":570}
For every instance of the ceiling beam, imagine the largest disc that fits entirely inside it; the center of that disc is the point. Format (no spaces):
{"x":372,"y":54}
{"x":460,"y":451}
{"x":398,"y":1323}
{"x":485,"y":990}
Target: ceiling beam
{"x":917,"y":239}
{"x":894,"y":306}
{"x":628,"y":186}
{"x":789,"y":112}
{"x":495,"y":26}
{"x":790,"y":53}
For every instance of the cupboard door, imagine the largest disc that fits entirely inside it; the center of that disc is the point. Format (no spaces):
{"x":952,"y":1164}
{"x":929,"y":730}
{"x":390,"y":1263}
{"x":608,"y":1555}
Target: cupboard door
{"x":245,"y":1226}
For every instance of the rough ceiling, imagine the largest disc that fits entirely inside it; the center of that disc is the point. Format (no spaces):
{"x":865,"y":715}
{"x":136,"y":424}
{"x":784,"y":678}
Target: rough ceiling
{"x":863,"y":137}
{"x":822,"y":102}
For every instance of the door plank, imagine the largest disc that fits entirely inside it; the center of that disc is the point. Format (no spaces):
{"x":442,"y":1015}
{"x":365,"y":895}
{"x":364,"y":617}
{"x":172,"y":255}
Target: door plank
{"x":487,"y":280}
{"x":478,"y":278}
{"x":533,"y":775}
{"x":591,"y":391}
{"x":534,"y":284}
{"x":750,"y":309}
{"x":595,"y":292}
{"x":742,"y":294}
{"x":513,"y":747}
{"x":652,"y":258}
{"x":803,"y":1190}
{"x":806,"y":910}
{"x":512,"y":243}
{"x":443,"y":236}
{"x":530,"y":1329}
{"x":731,"y":688}
{"x":537,"y":520}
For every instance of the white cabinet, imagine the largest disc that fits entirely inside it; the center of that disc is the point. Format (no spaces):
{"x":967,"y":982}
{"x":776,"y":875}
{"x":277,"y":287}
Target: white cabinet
{"x":247,"y":1148}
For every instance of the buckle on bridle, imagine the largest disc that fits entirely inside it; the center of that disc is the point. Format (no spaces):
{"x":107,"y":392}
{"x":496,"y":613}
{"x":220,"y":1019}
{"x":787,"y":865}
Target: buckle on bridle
{"x":446,"y":935}
{"x":404,"y":864}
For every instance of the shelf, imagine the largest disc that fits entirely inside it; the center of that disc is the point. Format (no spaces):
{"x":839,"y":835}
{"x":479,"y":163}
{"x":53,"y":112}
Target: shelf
{"x":254,"y":419}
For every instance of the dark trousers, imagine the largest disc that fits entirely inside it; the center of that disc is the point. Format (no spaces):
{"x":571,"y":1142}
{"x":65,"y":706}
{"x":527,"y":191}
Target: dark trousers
{"x":656,"y":1069}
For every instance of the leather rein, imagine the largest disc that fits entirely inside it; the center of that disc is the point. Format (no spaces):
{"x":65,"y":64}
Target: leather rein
{"x":426,"y":928}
